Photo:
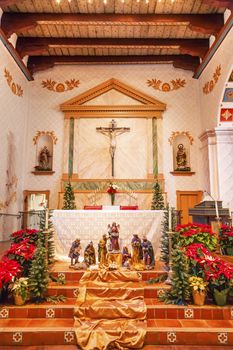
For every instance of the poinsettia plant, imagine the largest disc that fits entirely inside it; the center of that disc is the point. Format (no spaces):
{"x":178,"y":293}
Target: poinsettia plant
{"x":196,"y":233}
{"x":212,"y":269}
{"x":226,"y":238}
{"x":20,"y":235}
{"x":22,"y":252}
{"x":9,"y":270}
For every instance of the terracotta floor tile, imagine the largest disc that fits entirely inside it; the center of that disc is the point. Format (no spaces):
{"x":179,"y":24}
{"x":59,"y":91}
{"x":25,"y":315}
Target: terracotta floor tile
{"x":151,"y":323}
{"x":193,"y":323}
{"x":172,"y":313}
{"x":168,"y":323}
{"x":220,"y":323}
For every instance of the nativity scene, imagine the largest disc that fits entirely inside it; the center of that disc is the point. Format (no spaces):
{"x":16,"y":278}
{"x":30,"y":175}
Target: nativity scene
{"x":116,"y":174}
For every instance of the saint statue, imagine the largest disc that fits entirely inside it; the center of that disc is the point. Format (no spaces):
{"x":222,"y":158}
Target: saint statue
{"x":113,"y":232}
{"x":102,"y":251}
{"x":137,"y":249}
{"x":74,"y":252}
{"x":181,"y":157}
{"x":89,"y":254}
{"x":148,"y":253}
{"x":44,"y":158}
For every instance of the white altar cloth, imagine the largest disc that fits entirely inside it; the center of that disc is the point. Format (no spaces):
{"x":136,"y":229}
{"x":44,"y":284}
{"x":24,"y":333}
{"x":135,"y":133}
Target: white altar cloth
{"x":90,"y":225}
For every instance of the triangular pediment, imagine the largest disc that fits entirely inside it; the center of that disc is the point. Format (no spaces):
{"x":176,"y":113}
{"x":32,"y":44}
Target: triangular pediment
{"x":91,"y":96}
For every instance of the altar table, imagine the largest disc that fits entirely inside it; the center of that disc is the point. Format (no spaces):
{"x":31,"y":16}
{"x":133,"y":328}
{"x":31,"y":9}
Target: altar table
{"x":90,"y":225}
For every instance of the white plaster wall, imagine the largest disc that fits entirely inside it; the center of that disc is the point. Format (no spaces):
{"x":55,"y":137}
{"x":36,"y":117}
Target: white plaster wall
{"x":210,"y":103}
{"x":13,"y":117}
{"x":182,"y":113}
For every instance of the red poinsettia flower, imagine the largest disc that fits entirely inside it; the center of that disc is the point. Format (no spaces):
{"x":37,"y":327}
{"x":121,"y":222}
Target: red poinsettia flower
{"x":23,"y":248}
{"x":9,"y":269}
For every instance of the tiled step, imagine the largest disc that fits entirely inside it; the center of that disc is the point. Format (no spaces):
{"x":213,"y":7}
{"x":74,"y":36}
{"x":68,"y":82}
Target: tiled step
{"x":71,"y":289}
{"x":155,"y":310}
{"x":75,"y":275}
{"x":161,"y":332}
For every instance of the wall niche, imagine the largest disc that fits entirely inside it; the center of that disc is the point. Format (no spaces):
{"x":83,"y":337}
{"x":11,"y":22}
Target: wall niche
{"x":44,"y":142}
{"x":181,"y":142}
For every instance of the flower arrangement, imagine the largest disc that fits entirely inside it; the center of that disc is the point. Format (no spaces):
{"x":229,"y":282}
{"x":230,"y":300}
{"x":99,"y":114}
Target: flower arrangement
{"x":112,"y":188}
{"x":226,"y":239}
{"x":196,"y":233}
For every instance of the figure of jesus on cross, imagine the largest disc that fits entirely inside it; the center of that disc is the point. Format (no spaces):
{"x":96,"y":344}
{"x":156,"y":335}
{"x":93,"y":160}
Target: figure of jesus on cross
{"x":112,"y":132}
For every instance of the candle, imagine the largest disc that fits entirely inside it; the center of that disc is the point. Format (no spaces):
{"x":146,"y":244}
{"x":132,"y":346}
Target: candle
{"x":46,"y":219}
{"x":169,"y":219}
{"x":216,"y":209}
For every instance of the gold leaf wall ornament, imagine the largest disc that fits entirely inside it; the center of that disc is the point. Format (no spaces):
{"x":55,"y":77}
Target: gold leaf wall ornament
{"x":42,"y":133}
{"x":52,"y":85}
{"x":209,"y":86}
{"x":166,"y":87}
{"x":15,"y":88}
{"x":180,"y":133}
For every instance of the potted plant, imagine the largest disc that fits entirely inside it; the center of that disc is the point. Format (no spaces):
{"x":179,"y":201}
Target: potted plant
{"x":198,"y":287}
{"x":9,"y":270}
{"x":226,"y":240}
{"x":20,"y":290}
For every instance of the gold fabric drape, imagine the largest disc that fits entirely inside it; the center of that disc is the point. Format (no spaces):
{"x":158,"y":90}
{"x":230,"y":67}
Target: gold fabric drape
{"x":110,"y":309}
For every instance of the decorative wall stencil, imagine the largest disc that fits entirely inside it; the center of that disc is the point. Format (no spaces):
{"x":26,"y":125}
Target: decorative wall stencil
{"x":15,"y":88}
{"x":226,"y":115}
{"x":180,"y":133}
{"x":42,"y":133}
{"x":52,"y":85}
{"x":166,"y":87}
{"x":228,"y":95}
{"x":209,"y":86}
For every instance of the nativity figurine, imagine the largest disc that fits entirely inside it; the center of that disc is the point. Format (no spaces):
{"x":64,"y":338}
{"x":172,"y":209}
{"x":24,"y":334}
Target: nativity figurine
{"x":74,"y":252}
{"x":89,"y":255}
{"x":148,"y":253}
{"x":102,"y":251}
{"x":126,"y":257}
{"x":113,"y":232}
{"x":137,"y":254}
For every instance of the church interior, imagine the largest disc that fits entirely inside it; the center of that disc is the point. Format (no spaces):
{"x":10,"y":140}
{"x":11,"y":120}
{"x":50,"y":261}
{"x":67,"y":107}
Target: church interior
{"x":116,"y":191}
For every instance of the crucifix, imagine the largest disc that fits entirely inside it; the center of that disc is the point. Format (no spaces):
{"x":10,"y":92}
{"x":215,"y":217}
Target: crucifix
{"x":112,"y":132}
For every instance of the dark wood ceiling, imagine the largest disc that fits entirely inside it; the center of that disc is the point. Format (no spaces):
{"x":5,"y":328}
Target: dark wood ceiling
{"x":114,"y":31}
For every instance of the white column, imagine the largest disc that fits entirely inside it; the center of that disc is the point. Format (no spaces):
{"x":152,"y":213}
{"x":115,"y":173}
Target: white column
{"x":66,"y":145}
{"x":224,"y":142}
{"x":149,"y":149}
{"x":210,"y":163}
{"x":76,"y":147}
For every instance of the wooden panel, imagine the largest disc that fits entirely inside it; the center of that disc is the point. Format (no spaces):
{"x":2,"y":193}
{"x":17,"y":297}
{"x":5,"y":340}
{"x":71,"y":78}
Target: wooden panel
{"x":185,"y":201}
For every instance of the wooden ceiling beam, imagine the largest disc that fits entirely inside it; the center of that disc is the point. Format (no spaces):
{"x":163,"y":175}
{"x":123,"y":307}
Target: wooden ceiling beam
{"x":37,"y":46}
{"x":4,"y":3}
{"x":220,"y":3}
{"x":204,"y":23}
{"x":38,"y":63}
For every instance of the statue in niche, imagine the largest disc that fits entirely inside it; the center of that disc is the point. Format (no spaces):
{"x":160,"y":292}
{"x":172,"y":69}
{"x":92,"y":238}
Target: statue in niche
{"x":44,"y":159}
{"x":181,"y":158}
{"x":113,"y":232}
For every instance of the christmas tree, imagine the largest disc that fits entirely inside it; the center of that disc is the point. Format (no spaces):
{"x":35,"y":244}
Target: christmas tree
{"x":179,"y":293}
{"x":38,"y":274}
{"x":164,"y":237}
{"x":157,"y":200}
{"x":69,"y":198}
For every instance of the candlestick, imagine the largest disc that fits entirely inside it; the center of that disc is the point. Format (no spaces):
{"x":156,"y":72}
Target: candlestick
{"x":46,"y":219}
{"x":216,"y":209}
{"x":169,"y":219}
